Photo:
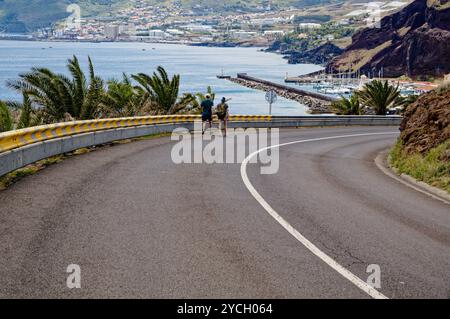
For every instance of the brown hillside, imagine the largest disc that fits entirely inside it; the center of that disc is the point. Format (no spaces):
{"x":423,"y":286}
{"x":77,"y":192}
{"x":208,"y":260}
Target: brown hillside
{"x":414,"y":41}
{"x":426,"y":122}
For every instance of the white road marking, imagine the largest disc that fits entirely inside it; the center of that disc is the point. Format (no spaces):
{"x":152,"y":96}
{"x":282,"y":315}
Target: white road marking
{"x":305,"y":242}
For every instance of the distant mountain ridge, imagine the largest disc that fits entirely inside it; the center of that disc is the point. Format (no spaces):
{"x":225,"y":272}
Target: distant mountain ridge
{"x":22,"y":16}
{"x":414,"y":41}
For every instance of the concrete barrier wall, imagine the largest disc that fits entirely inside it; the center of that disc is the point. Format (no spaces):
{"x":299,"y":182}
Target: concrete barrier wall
{"x":19,"y":157}
{"x":22,"y":156}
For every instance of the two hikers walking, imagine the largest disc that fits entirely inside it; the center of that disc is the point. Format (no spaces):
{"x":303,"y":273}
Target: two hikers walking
{"x":221,"y":112}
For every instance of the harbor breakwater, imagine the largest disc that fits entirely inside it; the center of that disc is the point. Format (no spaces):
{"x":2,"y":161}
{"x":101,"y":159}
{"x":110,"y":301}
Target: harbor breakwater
{"x":316,"y":103}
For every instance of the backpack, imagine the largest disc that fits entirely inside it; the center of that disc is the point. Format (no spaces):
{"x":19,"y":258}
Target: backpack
{"x":221,"y":109}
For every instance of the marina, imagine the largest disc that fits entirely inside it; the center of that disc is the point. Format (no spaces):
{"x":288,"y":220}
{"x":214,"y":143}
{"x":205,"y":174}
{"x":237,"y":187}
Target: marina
{"x":337,"y":84}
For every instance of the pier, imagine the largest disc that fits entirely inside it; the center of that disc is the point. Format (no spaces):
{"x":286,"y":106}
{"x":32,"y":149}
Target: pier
{"x":322,"y":97}
{"x":316,"y":102}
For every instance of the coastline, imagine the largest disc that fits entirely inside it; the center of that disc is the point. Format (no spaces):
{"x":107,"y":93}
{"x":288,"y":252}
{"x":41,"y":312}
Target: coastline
{"x":197,"y":66}
{"x":190,"y":43}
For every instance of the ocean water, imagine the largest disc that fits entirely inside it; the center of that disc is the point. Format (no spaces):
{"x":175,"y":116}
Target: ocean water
{"x":198,"y":67}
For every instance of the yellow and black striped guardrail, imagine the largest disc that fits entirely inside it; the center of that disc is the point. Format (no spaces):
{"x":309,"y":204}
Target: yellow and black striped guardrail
{"x":18,"y":138}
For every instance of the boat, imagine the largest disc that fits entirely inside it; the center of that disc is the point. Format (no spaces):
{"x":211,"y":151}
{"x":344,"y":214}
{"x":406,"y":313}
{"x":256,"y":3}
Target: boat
{"x":222,"y":76}
{"x":336,"y":90}
{"x":322,"y":85}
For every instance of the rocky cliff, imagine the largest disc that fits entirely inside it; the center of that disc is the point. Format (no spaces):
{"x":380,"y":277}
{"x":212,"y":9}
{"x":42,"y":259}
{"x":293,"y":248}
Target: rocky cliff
{"x":426,"y":122}
{"x":414,"y":41}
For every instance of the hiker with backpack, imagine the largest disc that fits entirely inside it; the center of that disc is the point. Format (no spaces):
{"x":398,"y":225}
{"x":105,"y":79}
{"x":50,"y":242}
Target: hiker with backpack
{"x":223,"y":113}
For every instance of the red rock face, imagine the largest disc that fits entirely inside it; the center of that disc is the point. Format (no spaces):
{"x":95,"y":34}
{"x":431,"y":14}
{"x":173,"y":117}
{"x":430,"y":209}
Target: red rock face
{"x":420,"y":45}
{"x":426,"y":122}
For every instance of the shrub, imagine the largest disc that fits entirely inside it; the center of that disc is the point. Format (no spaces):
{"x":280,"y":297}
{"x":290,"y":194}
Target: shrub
{"x":6,"y":121}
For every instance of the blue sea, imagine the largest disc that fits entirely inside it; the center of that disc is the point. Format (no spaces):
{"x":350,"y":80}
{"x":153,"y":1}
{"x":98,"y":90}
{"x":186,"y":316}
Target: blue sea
{"x":198,"y":67}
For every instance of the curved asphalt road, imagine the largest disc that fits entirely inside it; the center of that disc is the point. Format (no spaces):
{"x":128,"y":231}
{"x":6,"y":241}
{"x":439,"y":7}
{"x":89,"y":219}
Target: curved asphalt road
{"x":141,"y":226}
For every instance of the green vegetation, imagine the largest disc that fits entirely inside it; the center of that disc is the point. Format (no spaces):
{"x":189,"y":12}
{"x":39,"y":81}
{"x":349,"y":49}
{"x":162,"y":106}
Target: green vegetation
{"x":404,"y":102}
{"x":6,"y":121}
{"x":432,"y":168}
{"x":350,"y":106}
{"x":25,"y":119}
{"x":312,"y":19}
{"x":123,"y":98}
{"x":379,"y":95}
{"x":27,"y":116}
{"x":31,"y":169}
{"x":12,"y":177}
{"x":49,"y":97}
{"x":61,"y":97}
{"x":306,"y":39}
{"x":161,"y":90}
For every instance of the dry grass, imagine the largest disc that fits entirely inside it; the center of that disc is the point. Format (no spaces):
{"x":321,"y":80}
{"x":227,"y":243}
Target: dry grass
{"x":358,"y":58}
{"x":403,"y":31}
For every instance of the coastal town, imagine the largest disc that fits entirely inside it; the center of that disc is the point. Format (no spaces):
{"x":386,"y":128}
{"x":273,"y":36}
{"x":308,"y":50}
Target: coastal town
{"x":174,"y":23}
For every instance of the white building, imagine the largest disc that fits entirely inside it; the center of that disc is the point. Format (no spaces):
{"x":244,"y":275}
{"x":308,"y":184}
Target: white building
{"x":265,"y":21}
{"x":198,"y":28}
{"x":127,"y":29}
{"x":273,"y":34}
{"x":111,"y":32}
{"x":175,"y":32}
{"x":158,"y":34}
{"x":309,"y":25}
{"x":244,"y":35}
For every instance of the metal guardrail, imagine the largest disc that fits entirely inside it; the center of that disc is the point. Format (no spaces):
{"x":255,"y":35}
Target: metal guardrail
{"x":18,"y":138}
{"x":22,"y":147}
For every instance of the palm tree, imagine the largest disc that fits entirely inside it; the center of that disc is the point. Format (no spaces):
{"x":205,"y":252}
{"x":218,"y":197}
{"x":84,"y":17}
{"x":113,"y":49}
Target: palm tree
{"x":160,"y":89}
{"x":379,"y":95}
{"x":187,"y":103}
{"x":6,"y":121}
{"x":349,"y":106}
{"x":46,"y":89}
{"x":27,"y":115}
{"x":59,"y":96}
{"x":124,"y":99}
{"x":94,"y":93}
